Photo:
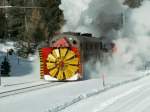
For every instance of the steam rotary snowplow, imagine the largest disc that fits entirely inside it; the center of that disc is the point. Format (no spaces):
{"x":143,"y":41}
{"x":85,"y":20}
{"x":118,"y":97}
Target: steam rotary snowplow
{"x":61,"y":61}
{"x":64,"y":59}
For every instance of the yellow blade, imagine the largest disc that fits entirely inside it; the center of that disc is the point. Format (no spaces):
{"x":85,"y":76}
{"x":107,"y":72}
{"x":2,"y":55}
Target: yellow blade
{"x":72,"y":68}
{"x":53,"y":72}
{"x":68,"y":73}
{"x":69,"y":55}
{"x":74,"y":61}
{"x":51,"y":58}
{"x":60,"y":75}
{"x":63,"y":52}
{"x":50,"y":65}
{"x":56,"y":53}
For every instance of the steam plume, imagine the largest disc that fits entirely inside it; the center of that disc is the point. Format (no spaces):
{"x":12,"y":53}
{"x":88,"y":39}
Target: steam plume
{"x":98,"y":17}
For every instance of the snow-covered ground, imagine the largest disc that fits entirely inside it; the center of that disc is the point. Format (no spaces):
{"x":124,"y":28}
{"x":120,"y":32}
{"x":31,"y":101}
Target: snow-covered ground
{"x":131,"y":97}
{"x":81,"y":96}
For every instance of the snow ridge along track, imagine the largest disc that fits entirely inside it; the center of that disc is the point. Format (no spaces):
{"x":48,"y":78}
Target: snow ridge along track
{"x":83,"y":96}
{"x":28,"y":89}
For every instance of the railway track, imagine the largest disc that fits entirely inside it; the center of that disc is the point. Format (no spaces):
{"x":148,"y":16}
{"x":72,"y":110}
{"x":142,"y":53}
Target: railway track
{"x":28,"y":89}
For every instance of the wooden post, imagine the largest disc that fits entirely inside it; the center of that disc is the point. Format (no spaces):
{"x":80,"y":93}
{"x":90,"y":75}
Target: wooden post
{"x":103,"y":78}
{"x":0,"y":77}
{"x":18,"y":59}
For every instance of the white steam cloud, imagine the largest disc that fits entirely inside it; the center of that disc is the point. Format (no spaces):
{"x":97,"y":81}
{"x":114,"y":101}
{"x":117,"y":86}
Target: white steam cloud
{"x":93,"y":16}
{"x":133,"y":44}
{"x":99,"y":17}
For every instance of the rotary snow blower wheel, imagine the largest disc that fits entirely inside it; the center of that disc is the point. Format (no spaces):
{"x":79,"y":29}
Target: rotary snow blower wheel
{"x":62,"y":63}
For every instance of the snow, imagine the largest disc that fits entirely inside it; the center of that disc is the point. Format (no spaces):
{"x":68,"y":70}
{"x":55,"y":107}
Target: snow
{"x":66,"y":96}
{"x":27,"y":70}
{"x":5,"y":46}
{"x":49,"y":78}
{"x":113,"y":100}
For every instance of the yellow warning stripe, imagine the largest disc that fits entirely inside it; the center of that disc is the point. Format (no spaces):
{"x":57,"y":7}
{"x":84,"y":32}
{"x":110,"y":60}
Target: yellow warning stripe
{"x":41,"y":65}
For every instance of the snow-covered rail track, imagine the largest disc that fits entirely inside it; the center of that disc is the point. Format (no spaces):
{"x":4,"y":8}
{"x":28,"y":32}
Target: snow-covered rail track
{"x":28,"y":89}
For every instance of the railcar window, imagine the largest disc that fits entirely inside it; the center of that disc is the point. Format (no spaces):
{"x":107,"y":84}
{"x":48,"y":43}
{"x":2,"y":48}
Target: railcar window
{"x":101,"y":45}
{"x":74,"y":42}
{"x":53,"y":41}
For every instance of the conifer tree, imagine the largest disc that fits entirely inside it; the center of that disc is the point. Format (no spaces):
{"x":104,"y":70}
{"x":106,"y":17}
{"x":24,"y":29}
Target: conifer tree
{"x":33,"y":21}
{"x":2,"y":21}
{"x":52,"y":17}
{"x":133,"y":3}
{"x":5,"y":67}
